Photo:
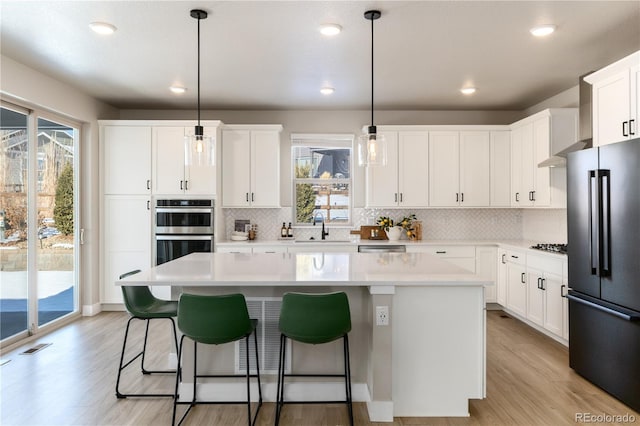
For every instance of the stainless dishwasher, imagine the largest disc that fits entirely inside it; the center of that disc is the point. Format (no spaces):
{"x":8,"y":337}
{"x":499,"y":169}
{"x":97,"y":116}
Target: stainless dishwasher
{"x":381,"y":248}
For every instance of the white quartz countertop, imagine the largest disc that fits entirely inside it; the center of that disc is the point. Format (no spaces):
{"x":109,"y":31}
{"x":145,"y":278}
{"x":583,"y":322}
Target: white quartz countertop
{"x":306,"y":269}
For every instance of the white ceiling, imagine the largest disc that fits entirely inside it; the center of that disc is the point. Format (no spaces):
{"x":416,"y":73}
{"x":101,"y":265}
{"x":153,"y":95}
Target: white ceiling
{"x":270,"y":55}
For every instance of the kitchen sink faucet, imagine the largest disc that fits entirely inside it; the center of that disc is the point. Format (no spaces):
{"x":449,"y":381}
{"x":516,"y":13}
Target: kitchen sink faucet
{"x":315,"y":220}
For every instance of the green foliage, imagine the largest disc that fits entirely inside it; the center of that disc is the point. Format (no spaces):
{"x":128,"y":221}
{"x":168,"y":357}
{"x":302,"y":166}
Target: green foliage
{"x":305,"y":196}
{"x":63,"y":210}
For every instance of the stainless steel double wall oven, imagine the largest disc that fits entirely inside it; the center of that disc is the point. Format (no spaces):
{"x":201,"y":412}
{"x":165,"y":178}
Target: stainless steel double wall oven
{"x":183,"y":227}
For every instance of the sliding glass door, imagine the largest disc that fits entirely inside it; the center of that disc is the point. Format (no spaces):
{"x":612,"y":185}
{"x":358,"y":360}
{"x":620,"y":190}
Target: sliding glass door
{"x":38,"y":228}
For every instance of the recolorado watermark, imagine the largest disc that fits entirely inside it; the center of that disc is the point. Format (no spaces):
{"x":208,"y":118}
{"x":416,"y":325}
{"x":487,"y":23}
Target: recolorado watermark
{"x":604,"y":418}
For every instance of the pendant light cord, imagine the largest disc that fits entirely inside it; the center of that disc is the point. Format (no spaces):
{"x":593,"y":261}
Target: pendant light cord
{"x":198,"y":72}
{"x":372,"y":73}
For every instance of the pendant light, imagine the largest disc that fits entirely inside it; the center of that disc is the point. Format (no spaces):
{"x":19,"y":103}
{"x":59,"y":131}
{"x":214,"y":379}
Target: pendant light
{"x":199,"y":149}
{"x":372,"y":147}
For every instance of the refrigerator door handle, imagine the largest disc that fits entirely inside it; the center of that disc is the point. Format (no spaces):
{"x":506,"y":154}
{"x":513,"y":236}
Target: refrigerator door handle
{"x":605,"y":215}
{"x":618,"y":314}
{"x":593,"y":224}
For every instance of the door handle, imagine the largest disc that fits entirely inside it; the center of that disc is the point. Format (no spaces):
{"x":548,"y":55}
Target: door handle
{"x":631,"y":132}
{"x":186,"y":185}
{"x":517,"y":197}
{"x":462,"y":197}
{"x":441,"y":252}
{"x":181,"y":185}
{"x":457,"y":200}
{"x":624,"y":129}
{"x":246,"y":195}
{"x":503,"y":258}
{"x":252,"y":196}
{"x":563,"y":287}
{"x":539,"y":283}
{"x":533,"y":195}
{"x":593,"y":223}
{"x":401,"y":197}
{"x":542,"y":283}
{"x":395,"y":195}
{"x":148,"y":205}
{"x":522,"y":278}
{"x":602,"y":308}
{"x":148,"y":184}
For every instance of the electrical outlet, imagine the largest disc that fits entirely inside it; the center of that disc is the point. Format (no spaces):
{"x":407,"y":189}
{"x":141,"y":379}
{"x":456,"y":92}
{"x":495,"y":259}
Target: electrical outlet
{"x":382,"y":315}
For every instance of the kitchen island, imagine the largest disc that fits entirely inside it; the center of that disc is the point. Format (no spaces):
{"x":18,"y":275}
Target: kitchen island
{"x":425,"y":358}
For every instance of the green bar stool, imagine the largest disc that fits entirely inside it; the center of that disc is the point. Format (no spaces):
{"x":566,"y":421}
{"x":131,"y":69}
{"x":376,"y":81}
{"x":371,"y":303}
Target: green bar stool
{"x":314,"y":319}
{"x":215,"y":320}
{"x":143,"y":305}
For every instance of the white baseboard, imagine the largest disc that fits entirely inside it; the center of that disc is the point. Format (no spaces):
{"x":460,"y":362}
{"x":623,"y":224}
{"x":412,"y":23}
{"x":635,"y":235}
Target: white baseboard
{"x":91,"y":310}
{"x":380,"y":411}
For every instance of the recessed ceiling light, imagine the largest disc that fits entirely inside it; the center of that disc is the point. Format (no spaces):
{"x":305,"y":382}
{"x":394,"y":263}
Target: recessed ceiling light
{"x":468,"y":90}
{"x":178,"y":90}
{"x":330,"y":29}
{"x":327,"y":90}
{"x":103,"y":28}
{"x":542,"y":30}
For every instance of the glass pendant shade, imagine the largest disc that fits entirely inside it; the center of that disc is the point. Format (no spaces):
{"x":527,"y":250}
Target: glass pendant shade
{"x":200,"y":150}
{"x":372,"y":149}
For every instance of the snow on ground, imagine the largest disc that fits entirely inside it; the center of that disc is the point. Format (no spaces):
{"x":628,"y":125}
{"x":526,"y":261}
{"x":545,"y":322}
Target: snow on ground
{"x":13,"y":285}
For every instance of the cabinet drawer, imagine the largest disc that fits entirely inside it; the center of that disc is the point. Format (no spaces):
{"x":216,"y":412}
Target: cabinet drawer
{"x":451,"y":251}
{"x":548,"y":264}
{"x":516,"y":257}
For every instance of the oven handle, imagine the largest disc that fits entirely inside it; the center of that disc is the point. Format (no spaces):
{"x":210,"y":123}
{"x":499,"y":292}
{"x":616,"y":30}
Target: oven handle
{"x":184,"y":237}
{"x":184,"y":210}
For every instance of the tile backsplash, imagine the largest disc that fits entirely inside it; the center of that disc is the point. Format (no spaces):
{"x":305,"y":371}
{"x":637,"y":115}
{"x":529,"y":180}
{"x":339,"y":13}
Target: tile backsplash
{"x":438,"y":224}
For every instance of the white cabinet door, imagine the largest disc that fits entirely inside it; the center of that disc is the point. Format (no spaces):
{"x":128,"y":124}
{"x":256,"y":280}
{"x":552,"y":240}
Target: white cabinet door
{"x":236,"y":162}
{"x":201,"y":179}
{"x":444,"y":168}
{"x":486,"y":268}
{"x":474,"y":169}
{"x":517,"y":289}
{"x":265,"y":169}
{"x":501,"y":279}
{"x":527,"y":166}
{"x":500,"y":169}
{"x":168,"y":160}
{"x":611,"y":108}
{"x":541,"y":192}
{"x":127,"y":241}
{"x":516,"y":167}
{"x":555,"y":310}
{"x":382,"y":182}
{"x":127,"y":162}
{"x":535,"y":297}
{"x":413,"y":174}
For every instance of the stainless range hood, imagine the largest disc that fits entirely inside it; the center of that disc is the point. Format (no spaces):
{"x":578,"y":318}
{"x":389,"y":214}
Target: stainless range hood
{"x":559,"y":159}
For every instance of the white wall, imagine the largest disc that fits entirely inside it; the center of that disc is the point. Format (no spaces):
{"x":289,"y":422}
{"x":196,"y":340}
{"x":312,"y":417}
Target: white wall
{"x":30,"y":88}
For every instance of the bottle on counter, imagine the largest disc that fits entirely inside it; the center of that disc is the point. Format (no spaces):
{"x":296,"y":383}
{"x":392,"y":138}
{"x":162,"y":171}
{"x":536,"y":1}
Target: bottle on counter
{"x":283,"y":231}
{"x":290,"y":231}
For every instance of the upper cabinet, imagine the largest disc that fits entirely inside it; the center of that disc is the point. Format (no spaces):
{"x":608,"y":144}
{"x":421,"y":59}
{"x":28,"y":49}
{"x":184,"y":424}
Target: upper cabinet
{"x":459,"y":168}
{"x":500,"y":169}
{"x":403,"y":182}
{"x":251,"y":166}
{"x":616,"y":95}
{"x":533,"y":140}
{"x":171,"y":175}
{"x":127,"y":159}
{"x":148,"y":157}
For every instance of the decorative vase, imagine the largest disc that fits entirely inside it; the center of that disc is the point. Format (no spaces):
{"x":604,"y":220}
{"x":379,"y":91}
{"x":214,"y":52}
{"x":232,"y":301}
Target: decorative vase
{"x":394,"y":233}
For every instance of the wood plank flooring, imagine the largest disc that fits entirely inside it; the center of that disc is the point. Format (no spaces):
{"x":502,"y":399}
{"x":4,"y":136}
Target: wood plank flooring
{"x":72,"y":382}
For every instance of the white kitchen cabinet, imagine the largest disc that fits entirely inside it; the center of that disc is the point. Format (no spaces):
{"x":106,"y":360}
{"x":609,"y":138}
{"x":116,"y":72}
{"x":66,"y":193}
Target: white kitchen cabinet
{"x":171,"y":176}
{"x":403,"y":182}
{"x":270,"y":249}
{"x":517,"y":282}
{"x":500,"y":169}
{"x":127,"y":159}
{"x":459,"y":173}
{"x":533,"y":140}
{"x":462,"y":256}
{"x":322,"y":247}
{"x":233,"y":248}
{"x":616,"y":95}
{"x":501,"y":278}
{"x":251,"y":166}
{"x":126,"y":240}
{"x":486,"y":267}
{"x":546,"y":306}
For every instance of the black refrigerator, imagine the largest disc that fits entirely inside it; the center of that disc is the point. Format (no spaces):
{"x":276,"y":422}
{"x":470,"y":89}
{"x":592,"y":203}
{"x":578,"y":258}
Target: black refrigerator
{"x":603,"y":220}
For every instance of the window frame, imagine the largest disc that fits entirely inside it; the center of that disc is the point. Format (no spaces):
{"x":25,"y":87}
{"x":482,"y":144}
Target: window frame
{"x":322,"y":140}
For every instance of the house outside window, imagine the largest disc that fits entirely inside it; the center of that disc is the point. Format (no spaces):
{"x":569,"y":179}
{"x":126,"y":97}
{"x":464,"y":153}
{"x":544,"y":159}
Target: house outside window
{"x":321,"y":170}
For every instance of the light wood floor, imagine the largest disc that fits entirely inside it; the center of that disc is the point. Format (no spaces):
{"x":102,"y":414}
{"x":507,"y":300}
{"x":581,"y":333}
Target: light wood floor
{"x":72,"y":382}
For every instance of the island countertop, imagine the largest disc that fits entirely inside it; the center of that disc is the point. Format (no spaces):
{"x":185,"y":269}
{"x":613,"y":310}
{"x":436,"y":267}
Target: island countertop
{"x":286,"y":269}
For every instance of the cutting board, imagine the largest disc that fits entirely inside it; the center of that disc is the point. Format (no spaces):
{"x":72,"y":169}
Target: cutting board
{"x":365,"y":233}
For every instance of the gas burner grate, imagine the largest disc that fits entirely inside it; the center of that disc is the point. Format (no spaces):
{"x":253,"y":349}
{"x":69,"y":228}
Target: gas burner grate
{"x":556,"y":248}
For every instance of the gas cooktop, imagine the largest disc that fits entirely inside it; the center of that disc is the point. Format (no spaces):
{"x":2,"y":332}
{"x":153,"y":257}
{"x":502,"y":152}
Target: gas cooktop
{"x":556,"y":248}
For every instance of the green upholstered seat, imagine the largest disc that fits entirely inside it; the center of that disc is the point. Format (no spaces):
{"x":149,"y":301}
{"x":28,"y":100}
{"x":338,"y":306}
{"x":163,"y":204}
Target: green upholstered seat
{"x":314,"y":319}
{"x":216,"y":320}
{"x":143,"y":305}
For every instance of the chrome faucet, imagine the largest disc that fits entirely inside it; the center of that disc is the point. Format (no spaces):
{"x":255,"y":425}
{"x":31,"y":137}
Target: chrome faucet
{"x":315,"y":220}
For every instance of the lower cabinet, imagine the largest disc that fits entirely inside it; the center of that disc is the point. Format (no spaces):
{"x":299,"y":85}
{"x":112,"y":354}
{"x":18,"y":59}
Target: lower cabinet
{"x":517,"y":282}
{"x":501,"y":277}
{"x":462,"y":256}
{"x":127,"y":241}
